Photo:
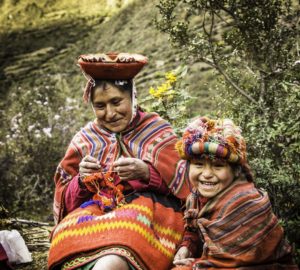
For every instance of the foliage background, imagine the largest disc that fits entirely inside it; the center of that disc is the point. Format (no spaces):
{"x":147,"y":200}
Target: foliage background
{"x":238,"y":61}
{"x":257,"y":55}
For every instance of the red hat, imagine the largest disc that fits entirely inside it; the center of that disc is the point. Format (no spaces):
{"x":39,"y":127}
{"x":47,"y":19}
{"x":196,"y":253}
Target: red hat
{"x":112,"y":66}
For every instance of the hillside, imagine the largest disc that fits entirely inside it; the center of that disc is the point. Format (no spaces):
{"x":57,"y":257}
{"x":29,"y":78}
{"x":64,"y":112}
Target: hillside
{"x":40,"y":44}
{"x":61,"y":31}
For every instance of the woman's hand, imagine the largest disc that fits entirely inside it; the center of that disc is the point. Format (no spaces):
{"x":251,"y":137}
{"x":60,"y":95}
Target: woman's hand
{"x":132,"y":168}
{"x":183,"y":257}
{"x":88,"y":165}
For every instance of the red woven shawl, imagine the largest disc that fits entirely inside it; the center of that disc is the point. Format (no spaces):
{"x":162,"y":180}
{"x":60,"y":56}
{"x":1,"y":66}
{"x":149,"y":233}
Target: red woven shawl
{"x":239,"y":229}
{"x":150,"y":139}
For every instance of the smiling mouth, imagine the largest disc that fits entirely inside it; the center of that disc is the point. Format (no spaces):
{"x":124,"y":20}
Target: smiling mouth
{"x":208,"y":184}
{"x":113,"y":122}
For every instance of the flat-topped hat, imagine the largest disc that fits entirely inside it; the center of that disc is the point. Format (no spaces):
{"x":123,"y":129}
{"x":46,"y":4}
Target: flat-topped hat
{"x":112,"y":66}
{"x":109,"y":66}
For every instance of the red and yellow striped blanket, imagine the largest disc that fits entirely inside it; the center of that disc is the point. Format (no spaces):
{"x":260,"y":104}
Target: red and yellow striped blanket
{"x":149,"y":228}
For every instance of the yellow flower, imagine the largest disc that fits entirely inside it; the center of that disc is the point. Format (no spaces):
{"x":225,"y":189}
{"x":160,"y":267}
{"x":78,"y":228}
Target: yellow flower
{"x":163,"y":88}
{"x":155,"y":92}
{"x":152,"y":91}
{"x":170,"y":76}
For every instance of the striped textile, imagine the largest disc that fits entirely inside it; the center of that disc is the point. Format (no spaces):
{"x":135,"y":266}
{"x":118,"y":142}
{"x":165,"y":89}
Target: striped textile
{"x":219,"y":138}
{"x":148,"y":229}
{"x":150,"y":138}
{"x":240,"y":231}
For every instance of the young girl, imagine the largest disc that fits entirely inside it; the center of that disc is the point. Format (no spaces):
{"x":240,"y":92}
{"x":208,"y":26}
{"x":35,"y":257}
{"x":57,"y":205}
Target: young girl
{"x":229,"y":223}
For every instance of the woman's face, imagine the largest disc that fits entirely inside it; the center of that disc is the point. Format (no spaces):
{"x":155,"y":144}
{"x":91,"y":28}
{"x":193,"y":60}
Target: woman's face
{"x":210,"y":176}
{"x":112,"y":107}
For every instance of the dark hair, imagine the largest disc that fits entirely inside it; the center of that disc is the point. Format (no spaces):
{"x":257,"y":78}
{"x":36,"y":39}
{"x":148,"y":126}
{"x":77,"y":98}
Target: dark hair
{"x":243,"y":171}
{"x":122,"y":85}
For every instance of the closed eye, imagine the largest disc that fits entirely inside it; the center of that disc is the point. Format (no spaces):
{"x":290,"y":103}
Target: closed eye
{"x":219,"y":164}
{"x":199,"y":164}
{"x":116,"y":102}
{"x":99,"y":106}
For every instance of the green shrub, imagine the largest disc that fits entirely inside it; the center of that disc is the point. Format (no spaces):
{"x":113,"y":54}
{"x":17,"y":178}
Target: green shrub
{"x":257,"y":56}
{"x":40,"y":125}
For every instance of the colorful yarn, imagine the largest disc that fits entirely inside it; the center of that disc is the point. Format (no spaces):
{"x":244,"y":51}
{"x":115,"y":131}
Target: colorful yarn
{"x":213,"y":138}
{"x":107,"y":195}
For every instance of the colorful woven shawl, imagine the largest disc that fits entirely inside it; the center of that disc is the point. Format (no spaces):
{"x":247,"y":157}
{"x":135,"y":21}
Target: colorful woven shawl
{"x":240,"y":231}
{"x":150,"y":138}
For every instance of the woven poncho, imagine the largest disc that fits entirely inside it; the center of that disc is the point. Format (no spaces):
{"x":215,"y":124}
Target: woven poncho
{"x":149,"y":222}
{"x":239,"y":231}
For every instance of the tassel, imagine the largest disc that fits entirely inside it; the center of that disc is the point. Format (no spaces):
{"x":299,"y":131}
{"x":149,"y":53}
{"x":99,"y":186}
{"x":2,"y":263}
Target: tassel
{"x":87,"y":90}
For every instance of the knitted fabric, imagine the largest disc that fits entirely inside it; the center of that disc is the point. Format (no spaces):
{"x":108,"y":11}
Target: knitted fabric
{"x":150,"y":138}
{"x":107,"y":194}
{"x":150,"y":227}
{"x":240,"y":231}
{"x":213,"y":138}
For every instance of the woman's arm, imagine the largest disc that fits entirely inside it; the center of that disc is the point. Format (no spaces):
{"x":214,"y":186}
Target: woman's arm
{"x":140,"y":175}
{"x":76,"y":194}
{"x":156,"y":183}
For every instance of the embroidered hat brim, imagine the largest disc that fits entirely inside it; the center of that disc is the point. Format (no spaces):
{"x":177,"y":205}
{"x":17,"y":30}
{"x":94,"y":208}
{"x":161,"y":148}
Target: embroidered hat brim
{"x":112,"y":66}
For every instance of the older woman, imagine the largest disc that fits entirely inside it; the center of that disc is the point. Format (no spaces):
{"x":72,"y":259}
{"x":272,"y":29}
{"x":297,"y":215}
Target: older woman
{"x":118,"y":188}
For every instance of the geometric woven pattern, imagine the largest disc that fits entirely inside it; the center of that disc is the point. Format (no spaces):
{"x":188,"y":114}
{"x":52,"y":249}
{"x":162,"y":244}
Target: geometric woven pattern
{"x":142,"y":225}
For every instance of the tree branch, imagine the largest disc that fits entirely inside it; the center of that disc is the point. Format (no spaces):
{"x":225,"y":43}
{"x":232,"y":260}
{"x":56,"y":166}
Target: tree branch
{"x":222,"y":19}
{"x":215,"y":65}
{"x":234,"y":85}
{"x":221,"y":7}
{"x":214,"y":62}
{"x":29,"y":222}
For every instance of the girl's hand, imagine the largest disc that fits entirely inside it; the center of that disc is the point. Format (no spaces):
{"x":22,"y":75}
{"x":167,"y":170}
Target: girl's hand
{"x":183,"y":257}
{"x":89,"y":165}
{"x":191,"y":214}
{"x":191,"y":218}
{"x":132,"y":168}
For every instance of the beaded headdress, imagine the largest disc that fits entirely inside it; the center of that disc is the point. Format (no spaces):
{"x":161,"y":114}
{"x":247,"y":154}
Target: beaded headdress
{"x":219,"y":139}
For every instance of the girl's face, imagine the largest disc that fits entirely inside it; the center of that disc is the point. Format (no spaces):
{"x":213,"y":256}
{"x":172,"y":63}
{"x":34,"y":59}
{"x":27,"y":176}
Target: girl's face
{"x":112,"y":107}
{"x":210,"y":176}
